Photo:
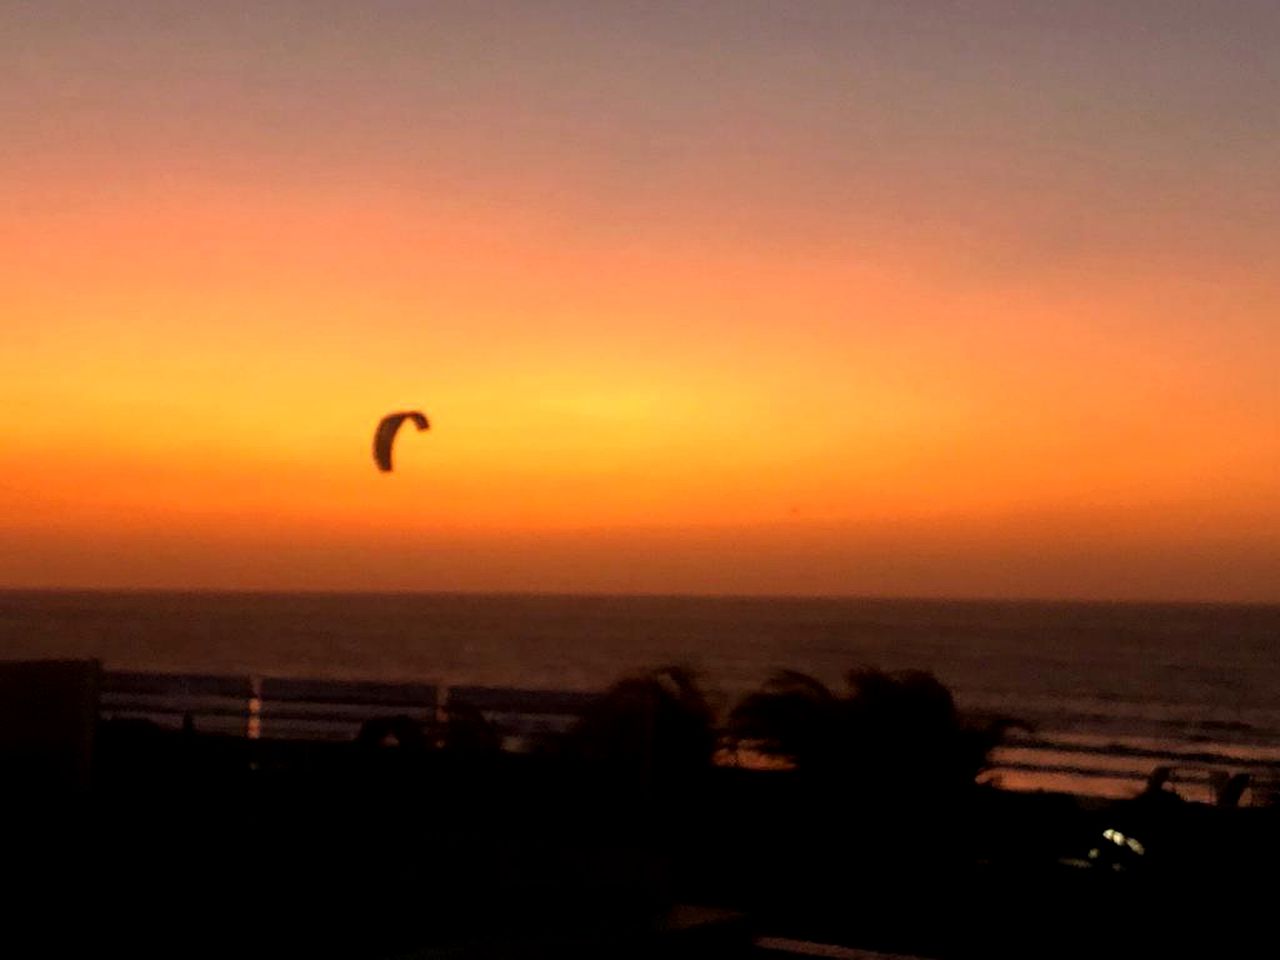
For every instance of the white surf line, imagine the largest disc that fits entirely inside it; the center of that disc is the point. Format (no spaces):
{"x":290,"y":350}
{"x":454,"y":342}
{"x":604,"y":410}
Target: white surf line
{"x":805,"y":948}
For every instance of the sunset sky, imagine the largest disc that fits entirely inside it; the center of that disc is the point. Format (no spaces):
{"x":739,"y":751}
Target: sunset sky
{"x":906,"y":298}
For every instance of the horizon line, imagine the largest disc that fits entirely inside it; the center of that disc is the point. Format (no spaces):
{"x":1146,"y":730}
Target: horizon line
{"x":636,"y":595}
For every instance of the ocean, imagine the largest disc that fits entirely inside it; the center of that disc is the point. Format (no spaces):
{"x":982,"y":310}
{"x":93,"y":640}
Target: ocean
{"x":1107,"y":691}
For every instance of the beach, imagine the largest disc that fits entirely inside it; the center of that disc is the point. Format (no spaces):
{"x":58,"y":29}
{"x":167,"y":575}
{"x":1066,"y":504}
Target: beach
{"x":1105,"y":692}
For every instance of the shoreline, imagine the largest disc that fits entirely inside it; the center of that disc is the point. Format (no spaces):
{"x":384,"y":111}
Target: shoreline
{"x":940,"y":600}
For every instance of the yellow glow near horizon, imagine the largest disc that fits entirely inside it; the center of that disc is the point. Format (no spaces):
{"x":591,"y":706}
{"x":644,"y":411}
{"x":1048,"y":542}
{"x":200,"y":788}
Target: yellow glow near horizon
{"x":738,"y":332}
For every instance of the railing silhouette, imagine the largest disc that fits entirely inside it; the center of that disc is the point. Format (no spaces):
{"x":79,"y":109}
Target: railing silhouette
{"x":283,"y":709}
{"x":294,"y":709}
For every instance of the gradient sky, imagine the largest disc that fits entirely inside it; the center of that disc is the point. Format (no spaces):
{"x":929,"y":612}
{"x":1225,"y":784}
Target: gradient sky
{"x":967,"y":299}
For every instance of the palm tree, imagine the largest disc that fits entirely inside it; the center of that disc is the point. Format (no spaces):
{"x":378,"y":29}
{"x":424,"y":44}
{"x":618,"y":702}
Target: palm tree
{"x":643,"y":751}
{"x":888,"y":737}
{"x":654,"y":730}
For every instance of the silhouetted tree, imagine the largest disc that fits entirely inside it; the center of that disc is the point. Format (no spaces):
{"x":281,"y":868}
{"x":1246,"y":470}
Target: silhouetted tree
{"x":643,"y":751}
{"x":878,"y":805}
{"x":890,"y":736}
{"x":656,"y":730}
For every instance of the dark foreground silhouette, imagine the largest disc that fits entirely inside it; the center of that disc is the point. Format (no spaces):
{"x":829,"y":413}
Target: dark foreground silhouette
{"x":425,"y":839}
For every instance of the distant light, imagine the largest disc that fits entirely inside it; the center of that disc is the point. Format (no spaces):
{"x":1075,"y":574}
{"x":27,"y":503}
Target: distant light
{"x":1120,"y":840}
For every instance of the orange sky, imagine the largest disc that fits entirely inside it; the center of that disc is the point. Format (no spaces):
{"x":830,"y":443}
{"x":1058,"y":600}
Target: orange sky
{"x":838,"y":301}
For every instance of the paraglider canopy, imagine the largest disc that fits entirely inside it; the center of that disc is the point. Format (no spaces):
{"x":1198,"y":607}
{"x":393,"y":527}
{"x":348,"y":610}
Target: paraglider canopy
{"x":386,"y":435}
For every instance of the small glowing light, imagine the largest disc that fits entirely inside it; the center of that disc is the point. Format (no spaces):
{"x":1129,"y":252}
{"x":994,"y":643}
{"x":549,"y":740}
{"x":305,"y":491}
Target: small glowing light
{"x":1120,"y":840}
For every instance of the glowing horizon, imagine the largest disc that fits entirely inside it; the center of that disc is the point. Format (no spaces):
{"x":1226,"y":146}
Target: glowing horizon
{"x":853,"y":301}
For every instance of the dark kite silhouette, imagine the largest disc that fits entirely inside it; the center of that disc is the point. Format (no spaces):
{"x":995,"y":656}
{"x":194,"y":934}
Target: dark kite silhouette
{"x":386,"y":435}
